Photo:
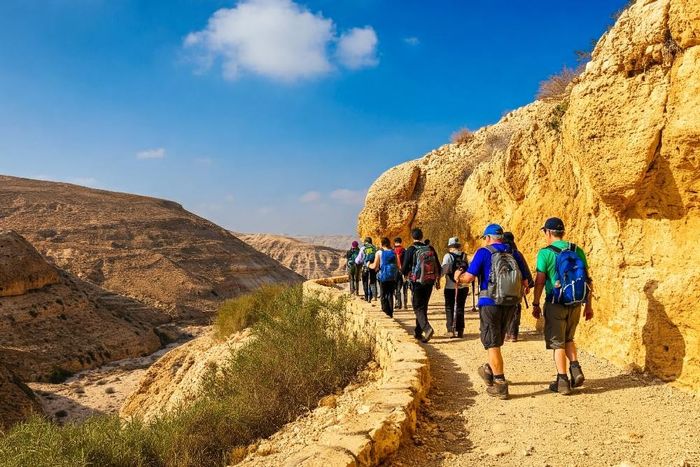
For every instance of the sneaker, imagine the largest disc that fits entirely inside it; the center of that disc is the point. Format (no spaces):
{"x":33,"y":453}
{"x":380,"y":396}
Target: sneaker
{"x":486,"y":374}
{"x":498,"y":389}
{"x":562,"y":386}
{"x":428,"y":335}
{"x":460,"y":334}
{"x":577,"y":377}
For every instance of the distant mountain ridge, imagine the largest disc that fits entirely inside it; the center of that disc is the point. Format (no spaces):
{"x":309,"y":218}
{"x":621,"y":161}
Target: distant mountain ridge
{"x":311,"y":261}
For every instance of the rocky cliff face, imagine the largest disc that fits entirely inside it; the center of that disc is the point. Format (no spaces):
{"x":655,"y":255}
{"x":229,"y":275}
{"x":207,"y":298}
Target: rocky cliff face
{"x":310,"y":261}
{"x":146,"y":248}
{"x":618,"y":160}
{"x":18,"y":401}
{"x":54,"y":324}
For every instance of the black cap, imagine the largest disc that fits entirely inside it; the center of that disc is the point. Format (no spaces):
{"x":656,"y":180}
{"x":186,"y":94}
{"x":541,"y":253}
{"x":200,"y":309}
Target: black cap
{"x":554,"y":223}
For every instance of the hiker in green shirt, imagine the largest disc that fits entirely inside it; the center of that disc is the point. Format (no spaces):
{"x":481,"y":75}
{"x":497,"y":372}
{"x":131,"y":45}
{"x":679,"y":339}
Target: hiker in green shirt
{"x":562,"y":272}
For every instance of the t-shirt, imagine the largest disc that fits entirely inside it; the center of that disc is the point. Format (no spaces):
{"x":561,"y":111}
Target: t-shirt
{"x":481,"y":268}
{"x":547,"y":264}
{"x":447,"y":262}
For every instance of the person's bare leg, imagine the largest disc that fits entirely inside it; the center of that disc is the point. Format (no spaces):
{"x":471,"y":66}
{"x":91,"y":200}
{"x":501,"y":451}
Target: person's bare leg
{"x":496,"y":360}
{"x":560,"y":360}
{"x":571,"y":352}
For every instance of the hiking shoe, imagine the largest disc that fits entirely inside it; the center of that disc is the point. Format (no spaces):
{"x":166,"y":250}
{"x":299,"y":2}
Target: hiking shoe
{"x":428,"y":335}
{"x":460,"y":334}
{"x":577,"y":377}
{"x":486,"y":374}
{"x":561,"y":385}
{"x":498,"y":389}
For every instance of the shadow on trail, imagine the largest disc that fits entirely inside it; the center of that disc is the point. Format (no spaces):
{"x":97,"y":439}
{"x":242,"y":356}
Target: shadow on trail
{"x":441,"y":426}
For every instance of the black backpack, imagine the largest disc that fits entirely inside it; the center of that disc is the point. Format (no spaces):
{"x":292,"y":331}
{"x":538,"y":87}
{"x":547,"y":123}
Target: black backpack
{"x":459,"y":261}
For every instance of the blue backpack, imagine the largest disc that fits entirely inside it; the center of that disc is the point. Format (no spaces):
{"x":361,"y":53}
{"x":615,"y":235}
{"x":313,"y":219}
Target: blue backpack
{"x":389,"y":268}
{"x":571,"y":286}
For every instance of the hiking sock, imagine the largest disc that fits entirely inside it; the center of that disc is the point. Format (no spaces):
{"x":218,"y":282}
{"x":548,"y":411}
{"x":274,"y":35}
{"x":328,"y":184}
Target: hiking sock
{"x":564,"y":376}
{"x":500,"y":378}
{"x":575,"y":364}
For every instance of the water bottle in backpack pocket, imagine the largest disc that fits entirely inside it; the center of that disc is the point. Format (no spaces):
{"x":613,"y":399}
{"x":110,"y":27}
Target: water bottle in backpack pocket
{"x":505,"y":285}
{"x":388,"y":268}
{"x":571,"y":276}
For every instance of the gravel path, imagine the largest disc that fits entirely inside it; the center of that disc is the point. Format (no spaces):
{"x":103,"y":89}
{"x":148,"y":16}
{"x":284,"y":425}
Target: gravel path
{"x":614,"y":419}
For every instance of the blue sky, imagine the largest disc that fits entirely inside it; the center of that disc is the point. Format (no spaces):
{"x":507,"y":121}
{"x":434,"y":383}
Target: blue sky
{"x":265,"y":115}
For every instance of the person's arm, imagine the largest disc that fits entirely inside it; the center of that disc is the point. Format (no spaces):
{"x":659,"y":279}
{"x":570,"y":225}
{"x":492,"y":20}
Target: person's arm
{"x":446,"y":264}
{"x":408,"y":261}
{"x":543,"y":256}
{"x":539,"y":286}
{"x":360,"y":257}
{"x":377,"y":260}
{"x":472,"y":272}
{"x":524,"y":270}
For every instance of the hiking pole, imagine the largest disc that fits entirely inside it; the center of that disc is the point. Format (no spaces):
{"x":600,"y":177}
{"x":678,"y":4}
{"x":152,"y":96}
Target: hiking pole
{"x":527,"y":305}
{"x":473,"y":298}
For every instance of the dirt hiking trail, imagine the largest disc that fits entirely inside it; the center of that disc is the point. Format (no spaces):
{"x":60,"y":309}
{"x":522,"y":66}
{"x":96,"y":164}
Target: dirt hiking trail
{"x":615,"y":419}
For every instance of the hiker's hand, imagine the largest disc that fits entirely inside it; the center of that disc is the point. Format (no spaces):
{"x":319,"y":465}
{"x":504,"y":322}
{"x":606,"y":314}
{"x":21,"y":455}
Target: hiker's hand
{"x":588,"y":312}
{"x":458,"y":274}
{"x":526,"y":287}
{"x":536,"y":311}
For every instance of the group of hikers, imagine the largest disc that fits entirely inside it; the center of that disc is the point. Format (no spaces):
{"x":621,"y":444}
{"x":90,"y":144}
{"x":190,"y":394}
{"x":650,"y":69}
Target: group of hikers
{"x":501,"y":274}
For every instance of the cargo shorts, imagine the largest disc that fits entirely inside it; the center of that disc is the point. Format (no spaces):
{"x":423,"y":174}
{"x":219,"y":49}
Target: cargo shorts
{"x":560,"y":322}
{"x":493,"y":324}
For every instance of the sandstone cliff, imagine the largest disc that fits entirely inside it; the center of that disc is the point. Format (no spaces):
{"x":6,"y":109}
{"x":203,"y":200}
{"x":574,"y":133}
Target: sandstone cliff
{"x":146,"y":248}
{"x":618,"y":160}
{"x":53,"y":324}
{"x":310,"y":261}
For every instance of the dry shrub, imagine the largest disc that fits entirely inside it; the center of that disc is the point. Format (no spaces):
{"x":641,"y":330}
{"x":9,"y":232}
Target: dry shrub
{"x":462,"y":136}
{"x":556,"y":87}
{"x":241,"y":312}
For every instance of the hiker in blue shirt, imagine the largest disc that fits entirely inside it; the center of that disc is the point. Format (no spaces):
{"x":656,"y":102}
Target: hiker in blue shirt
{"x":501,"y":274}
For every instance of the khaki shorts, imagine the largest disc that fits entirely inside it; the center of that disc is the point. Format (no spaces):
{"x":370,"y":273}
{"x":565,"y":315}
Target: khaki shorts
{"x":560,"y":322}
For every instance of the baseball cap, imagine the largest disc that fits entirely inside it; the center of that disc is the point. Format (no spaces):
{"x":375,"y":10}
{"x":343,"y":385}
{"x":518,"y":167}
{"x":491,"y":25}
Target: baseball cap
{"x":355,"y":244}
{"x":453,"y":241}
{"x":553,"y":223}
{"x":493,"y":229}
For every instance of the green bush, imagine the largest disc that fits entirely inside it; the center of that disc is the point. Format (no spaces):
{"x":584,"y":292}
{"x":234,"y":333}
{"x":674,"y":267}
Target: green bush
{"x":299,"y":354}
{"x":241,"y":312}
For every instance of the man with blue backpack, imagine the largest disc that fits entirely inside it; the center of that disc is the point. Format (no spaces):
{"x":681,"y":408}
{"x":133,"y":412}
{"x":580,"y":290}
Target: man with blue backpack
{"x":387,"y":266}
{"x":562,"y":271}
{"x":502,"y":284}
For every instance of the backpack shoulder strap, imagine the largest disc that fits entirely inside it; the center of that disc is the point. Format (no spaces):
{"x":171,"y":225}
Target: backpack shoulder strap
{"x":554,"y":249}
{"x":491,"y":249}
{"x":572,"y":247}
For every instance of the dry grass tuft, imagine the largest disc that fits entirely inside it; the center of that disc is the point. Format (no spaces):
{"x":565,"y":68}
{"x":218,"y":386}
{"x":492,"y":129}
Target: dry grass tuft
{"x":462,"y":136}
{"x":556,"y":87}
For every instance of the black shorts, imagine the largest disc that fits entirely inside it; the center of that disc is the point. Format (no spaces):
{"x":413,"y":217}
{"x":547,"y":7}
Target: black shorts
{"x":493,"y":324}
{"x":560,"y":322}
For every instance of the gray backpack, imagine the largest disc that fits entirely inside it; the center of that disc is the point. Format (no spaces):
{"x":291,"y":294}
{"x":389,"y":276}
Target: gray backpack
{"x":505,"y":285}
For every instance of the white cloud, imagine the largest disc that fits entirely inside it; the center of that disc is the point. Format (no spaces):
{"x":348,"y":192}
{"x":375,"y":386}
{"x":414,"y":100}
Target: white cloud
{"x":412,"y":40}
{"x":278,"y":39}
{"x":310,"y":197}
{"x":357,"y":48}
{"x":350,"y":197}
{"x":156,"y":153}
{"x":203,"y":161}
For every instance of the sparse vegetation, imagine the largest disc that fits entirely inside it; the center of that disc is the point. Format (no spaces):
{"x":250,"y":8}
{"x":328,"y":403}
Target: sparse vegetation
{"x":556,"y":87}
{"x":242,"y":312}
{"x":59,"y":375}
{"x":299,"y":354}
{"x":462,"y":136}
{"x":557,"y":115}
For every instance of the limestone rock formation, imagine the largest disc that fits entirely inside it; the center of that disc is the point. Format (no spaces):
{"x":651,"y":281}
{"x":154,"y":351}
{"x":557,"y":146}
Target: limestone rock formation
{"x":618,"y":160}
{"x":60,"y":324}
{"x":18,"y":401}
{"x":176,"y":378}
{"x":310,"y":261}
{"x":146,"y":248}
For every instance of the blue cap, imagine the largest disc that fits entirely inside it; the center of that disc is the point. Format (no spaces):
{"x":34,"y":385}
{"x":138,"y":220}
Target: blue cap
{"x":493,"y":229}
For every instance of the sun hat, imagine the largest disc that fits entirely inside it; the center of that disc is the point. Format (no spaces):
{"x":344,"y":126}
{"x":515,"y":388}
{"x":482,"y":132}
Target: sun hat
{"x":453,"y":241}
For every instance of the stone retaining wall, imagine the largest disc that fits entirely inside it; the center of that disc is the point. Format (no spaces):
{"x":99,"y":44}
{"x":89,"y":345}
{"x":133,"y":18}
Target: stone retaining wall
{"x":388,"y":408}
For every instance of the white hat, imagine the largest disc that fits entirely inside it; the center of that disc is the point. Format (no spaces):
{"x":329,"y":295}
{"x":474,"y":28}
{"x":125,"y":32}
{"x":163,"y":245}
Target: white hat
{"x":454,"y":241}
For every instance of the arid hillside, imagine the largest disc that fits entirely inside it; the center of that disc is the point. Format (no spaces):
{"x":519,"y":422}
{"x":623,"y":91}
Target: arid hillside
{"x":53,"y":324}
{"x":617,"y":157}
{"x":311,"y":261}
{"x":149,"y":249}
{"x":18,"y":401}
{"x":337,"y":242}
